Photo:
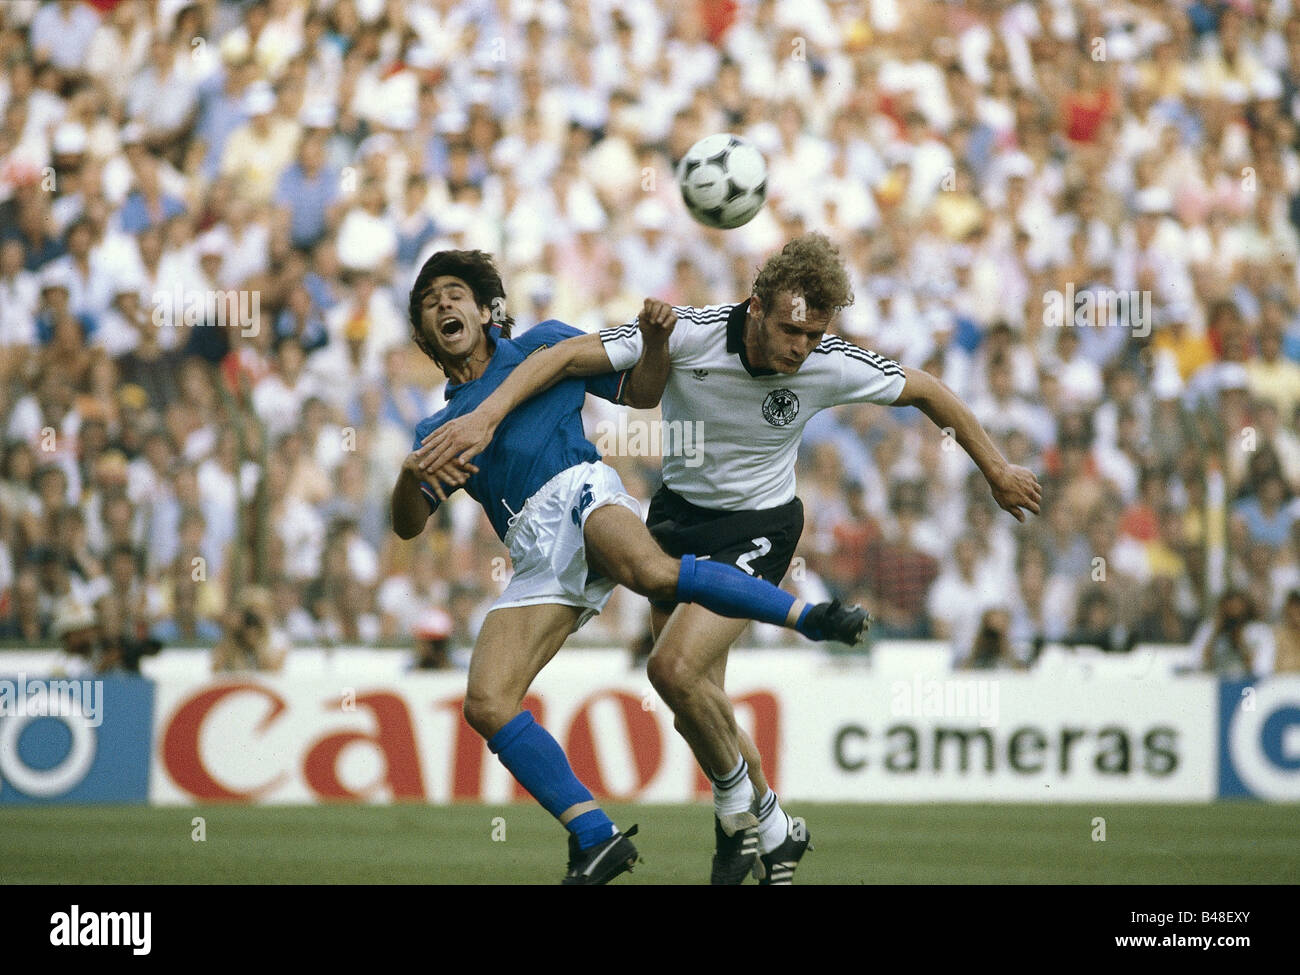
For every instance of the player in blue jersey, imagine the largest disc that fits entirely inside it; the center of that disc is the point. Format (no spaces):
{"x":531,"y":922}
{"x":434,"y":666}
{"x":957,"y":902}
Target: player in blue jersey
{"x":572,"y":531}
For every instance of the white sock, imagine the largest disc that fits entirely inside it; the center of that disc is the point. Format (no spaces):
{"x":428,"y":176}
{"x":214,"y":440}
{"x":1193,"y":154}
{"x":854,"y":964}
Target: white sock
{"x":773,"y":824}
{"x":733,"y":793}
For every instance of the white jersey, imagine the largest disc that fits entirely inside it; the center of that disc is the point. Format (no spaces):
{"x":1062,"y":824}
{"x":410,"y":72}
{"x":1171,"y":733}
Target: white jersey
{"x":740,"y":426}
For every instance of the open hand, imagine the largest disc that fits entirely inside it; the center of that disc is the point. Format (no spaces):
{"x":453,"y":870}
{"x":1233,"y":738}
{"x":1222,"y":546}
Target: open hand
{"x":1016,"y":488}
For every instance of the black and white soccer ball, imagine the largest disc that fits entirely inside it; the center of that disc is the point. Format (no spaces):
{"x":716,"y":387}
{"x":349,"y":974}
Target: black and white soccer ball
{"x":723,"y":179}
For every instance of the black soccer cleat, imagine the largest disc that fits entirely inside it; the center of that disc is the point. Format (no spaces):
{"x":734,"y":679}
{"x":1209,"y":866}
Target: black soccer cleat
{"x":776,"y":869}
{"x":835,"y":621}
{"x":601,"y":863}
{"x":736,"y":852}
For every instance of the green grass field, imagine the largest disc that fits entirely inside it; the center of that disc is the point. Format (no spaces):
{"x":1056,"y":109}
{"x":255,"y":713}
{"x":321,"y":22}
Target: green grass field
{"x":883,"y":844}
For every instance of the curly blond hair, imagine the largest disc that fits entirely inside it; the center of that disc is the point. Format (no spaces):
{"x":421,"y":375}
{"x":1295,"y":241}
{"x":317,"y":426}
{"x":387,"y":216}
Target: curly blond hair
{"x":810,"y":266}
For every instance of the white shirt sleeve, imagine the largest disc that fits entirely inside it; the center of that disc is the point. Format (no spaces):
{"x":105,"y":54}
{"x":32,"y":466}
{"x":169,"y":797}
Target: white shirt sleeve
{"x":865,"y":377}
{"x":623,"y":345}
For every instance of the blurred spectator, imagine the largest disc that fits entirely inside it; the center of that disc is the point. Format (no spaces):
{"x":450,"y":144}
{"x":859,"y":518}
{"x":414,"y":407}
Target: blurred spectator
{"x":148,"y":205}
{"x":1234,"y":643}
{"x":1273,"y":377}
{"x":250,"y":640}
{"x":61,"y":33}
{"x":367,"y":240}
{"x":75,"y":627}
{"x":961,"y":595}
{"x":1097,"y":623}
{"x":1286,"y":636}
{"x":187,"y":620}
{"x":259,"y":151}
{"x":56,"y":304}
{"x":125,"y":607}
{"x":302,"y":321}
{"x":298,"y":624}
{"x":403,"y":597}
{"x":1286,"y":573}
{"x":991,"y":646}
{"x":900,"y":575}
{"x":1160,"y":620}
{"x":19,"y":297}
{"x":25,"y":621}
{"x":1044,"y":605}
{"x":432,"y":633}
{"x":309,"y":193}
{"x":1266,"y":512}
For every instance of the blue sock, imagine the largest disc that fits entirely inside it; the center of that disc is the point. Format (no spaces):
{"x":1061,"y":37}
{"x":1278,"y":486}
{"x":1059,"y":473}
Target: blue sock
{"x":537,"y":761}
{"x":728,"y":591}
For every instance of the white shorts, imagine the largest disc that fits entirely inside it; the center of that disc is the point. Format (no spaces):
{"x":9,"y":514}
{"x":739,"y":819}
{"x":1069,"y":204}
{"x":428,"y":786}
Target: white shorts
{"x":547,"y":547}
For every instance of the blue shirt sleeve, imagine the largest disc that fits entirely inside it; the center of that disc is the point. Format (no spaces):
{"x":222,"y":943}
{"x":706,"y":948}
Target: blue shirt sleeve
{"x":543,"y":335}
{"x":608,"y":385}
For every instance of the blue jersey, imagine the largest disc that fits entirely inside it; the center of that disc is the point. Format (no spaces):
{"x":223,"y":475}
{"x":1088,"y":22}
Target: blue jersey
{"x":538,"y":439}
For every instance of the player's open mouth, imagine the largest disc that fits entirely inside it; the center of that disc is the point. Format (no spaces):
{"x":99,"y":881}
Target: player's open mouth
{"x":450,"y":327}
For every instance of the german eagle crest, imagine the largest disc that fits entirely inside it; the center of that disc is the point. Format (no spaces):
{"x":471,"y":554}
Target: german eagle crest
{"x":780,"y":407}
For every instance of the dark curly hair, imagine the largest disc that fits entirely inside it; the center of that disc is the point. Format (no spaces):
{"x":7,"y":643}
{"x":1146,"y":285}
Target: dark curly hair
{"x":809,"y":266}
{"x":476,"y":269}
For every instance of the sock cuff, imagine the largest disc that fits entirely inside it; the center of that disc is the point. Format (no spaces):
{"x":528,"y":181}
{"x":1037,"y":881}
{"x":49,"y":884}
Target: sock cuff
{"x":734,"y":778}
{"x":766,"y":805}
{"x":515,"y":727}
{"x":686,"y":580}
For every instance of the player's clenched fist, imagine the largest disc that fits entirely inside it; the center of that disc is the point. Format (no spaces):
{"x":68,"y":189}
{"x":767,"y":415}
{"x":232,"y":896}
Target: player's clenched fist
{"x":656,"y":319}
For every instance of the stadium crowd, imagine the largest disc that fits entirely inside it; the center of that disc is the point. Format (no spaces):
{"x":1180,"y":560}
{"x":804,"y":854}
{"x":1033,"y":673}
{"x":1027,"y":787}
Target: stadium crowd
{"x":1082,"y":216}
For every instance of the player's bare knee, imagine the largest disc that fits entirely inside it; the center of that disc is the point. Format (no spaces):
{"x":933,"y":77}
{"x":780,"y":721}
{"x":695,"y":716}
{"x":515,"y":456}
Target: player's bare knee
{"x":487,"y":714}
{"x":670,"y":676}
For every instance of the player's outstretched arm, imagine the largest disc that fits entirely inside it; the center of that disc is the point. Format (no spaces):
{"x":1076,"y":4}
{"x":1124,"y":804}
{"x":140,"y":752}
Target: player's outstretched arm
{"x":1015,"y":489}
{"x":452,"y":445}
{"x":456,"y":442}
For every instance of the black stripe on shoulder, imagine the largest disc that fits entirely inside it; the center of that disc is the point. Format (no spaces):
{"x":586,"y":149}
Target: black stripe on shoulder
{"x":833,"y":343}
{"x":706,"y":315}
{"x":836,"y":342}
{"x":617,"y":332}
{"x":885,"y":366}
{"x":881,"y":363}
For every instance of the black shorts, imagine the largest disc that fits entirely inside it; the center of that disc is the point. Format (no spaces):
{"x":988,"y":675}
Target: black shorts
{"x":759,"y":541}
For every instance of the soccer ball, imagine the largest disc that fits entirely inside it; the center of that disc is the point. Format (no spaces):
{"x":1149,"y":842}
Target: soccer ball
{"x":723,"y":180}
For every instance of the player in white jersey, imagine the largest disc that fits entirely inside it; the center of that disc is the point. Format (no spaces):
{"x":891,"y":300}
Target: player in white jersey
{"x":753,"y":372}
